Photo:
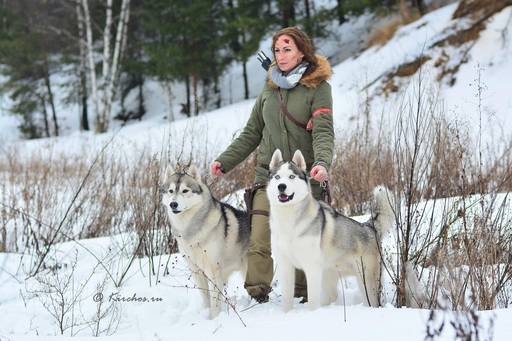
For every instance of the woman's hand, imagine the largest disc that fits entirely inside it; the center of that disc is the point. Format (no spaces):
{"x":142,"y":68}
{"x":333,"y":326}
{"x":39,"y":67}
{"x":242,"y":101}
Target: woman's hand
{"x":319,"y":173}
{"x":216,"y":168}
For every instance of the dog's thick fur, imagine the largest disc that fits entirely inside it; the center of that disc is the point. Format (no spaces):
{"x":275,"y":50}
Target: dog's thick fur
{"x":310,"y":235}
{"x":213,"y":236}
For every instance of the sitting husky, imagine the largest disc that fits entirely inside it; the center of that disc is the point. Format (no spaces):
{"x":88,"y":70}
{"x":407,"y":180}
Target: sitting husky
{"x":212,"y":235}
{"x":310,"y":235}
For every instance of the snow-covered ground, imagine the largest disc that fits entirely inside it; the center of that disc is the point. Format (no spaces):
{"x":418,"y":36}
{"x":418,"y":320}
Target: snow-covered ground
{"x":178,"y":316}
{"x":172,"y":310}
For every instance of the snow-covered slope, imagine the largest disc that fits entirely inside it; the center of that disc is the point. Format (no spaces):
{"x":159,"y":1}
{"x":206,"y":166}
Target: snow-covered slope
{"x":475,"y":89}
{"x":479,"y":93}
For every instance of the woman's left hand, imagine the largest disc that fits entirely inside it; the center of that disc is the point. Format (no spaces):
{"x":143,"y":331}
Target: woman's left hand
{"x":319,"y":173}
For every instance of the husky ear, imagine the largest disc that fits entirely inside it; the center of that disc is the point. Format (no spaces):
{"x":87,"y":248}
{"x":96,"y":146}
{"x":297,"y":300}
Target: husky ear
{"x":277,"y":158}
{"x":298,"y":159}
{"x":194,"y":172}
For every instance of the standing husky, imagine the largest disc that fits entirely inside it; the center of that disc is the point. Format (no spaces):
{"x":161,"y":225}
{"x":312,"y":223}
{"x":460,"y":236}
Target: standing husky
{"x":212,"y":235}
{"x":310,"y":235}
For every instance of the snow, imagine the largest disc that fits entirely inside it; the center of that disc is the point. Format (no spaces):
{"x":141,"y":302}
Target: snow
{"x":179,"y":315}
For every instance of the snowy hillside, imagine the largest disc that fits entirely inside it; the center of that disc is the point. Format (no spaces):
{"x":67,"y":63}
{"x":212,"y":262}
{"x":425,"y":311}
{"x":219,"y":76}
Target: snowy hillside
{"x":477,"y":91}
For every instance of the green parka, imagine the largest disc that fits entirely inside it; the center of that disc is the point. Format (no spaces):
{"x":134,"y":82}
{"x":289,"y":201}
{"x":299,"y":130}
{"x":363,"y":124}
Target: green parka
{"x":268,"y":128}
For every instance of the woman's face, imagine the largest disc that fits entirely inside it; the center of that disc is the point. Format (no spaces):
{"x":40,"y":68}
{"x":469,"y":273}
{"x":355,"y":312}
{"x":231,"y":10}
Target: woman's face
{"x":286,"y":53}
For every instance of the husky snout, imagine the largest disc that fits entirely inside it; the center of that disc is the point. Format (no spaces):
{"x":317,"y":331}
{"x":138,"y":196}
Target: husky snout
{"x":282,"y":196}
{"x":174,"y":207}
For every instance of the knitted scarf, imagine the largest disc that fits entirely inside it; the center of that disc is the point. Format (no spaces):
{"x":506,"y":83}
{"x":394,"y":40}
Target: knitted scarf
{"x":290,"y":79}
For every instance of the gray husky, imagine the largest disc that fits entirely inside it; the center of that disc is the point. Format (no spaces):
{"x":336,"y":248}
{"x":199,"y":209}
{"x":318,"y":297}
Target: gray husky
{"x":212,"y":235}
{"x":310,"y":235}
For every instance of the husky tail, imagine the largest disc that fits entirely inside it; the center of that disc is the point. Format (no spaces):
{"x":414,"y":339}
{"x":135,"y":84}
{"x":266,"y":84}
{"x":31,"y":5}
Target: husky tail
{"x":383,"y":215}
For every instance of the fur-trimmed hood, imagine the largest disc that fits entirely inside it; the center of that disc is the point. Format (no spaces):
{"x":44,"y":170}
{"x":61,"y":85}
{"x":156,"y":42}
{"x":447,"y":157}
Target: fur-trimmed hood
{"x":322,"y":73}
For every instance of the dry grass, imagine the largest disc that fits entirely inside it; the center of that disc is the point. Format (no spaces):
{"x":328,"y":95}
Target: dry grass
{"x":122,"y":195}
{"x":382,"y":35}
{"x":242,"y":176}
{"x":118,"y":196}
{"x":479,"y":8}
{"x":403,"y":70}
{"x":357,"y":168}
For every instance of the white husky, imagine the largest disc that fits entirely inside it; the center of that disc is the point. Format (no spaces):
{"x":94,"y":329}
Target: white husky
{"x":213,"y":236}
{"x":310,"y":235}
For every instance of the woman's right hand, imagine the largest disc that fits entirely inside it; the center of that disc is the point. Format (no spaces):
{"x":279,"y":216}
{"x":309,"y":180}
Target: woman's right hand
{"x":216,"y":168}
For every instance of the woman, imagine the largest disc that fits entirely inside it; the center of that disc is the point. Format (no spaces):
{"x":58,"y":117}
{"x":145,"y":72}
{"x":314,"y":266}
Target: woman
{"x":294,"y":111}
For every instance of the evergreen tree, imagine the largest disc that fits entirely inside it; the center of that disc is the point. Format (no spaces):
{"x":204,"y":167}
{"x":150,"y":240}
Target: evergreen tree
{"x":28,"y":51}
{"x":246,"y":28}
{"x":186,"y":42}
{"x":287,"y":11}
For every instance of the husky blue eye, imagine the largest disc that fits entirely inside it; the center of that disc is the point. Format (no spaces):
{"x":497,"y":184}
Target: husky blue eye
{"x":292,"y":176}
{"x":185,"y":191}
{"x":277,"y":177}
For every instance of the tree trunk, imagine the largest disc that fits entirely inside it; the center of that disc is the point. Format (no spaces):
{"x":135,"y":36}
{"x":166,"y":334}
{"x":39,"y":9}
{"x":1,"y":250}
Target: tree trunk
{"x":246,"y":80}
{"x":51,"y":101}
{"x":194,"y":93}
{"x":124,"y":39}
{"x":110,"y":70}
{"x":98,"y":124}
{"x":82,"y":86}
{"x":268,"y":10}
{"x":340,"y":11}
{"x":217,"y":93}
{"x":84,"y":119}
{"x":308,"y":24}
{"x":189,"y":105}
{"x":106,"y":41}
{"x":168,"y":92}
{"x":111,"y":78}
{"x":45,"y":117}
{"x":142,"y":110}
{"x":3,"y":239}
{"x":205,"y":95}
{"x":105,"y":68}
{"x":288,"y":12}
{"x":419,"y":5}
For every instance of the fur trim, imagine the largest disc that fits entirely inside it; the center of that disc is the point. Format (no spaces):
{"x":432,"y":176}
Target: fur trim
{"x":322,"y":73}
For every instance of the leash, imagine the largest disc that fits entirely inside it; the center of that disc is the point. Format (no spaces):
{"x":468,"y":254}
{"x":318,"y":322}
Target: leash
{"x":326,"y":192}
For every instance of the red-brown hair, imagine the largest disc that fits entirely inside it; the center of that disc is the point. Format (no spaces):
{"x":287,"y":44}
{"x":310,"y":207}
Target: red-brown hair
{"x":303,"y":42}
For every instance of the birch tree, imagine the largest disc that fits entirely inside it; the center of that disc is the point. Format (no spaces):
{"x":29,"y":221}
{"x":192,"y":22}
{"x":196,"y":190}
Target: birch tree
{"x":103,"y":91}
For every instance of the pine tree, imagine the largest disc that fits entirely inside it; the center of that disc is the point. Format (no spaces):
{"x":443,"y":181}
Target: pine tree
{"x":186,"y":42}
{"x":29,"y":49}
{"x":246,"y":28}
